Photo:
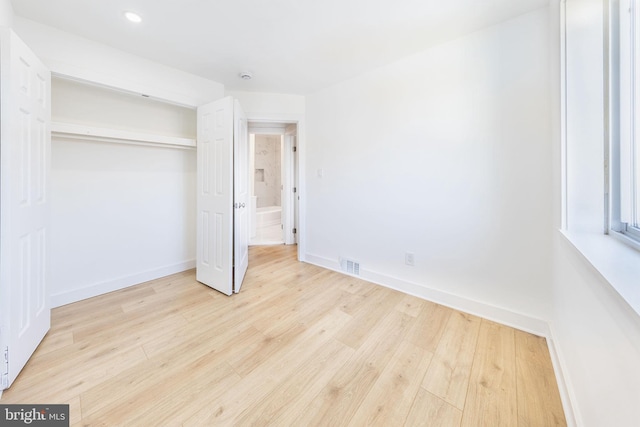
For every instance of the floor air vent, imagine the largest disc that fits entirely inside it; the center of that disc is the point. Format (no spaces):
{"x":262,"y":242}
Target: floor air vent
{"x":350,"y":266}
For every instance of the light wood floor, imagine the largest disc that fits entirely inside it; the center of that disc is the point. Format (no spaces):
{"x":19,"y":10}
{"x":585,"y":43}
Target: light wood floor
{"x":298,"y":346}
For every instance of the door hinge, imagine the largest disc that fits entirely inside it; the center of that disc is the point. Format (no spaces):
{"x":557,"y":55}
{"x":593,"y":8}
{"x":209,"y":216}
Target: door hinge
{"x":295,"y":231}
{"x":5,"y":370}
{"x":295,"y":148}
{"x":295,"y":190}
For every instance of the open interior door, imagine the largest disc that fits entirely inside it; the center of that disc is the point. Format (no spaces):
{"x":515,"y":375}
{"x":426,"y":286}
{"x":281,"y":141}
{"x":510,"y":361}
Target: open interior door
{"x":214,"y":241}
{"x":223,"y":196}
{"x":25,"y":164}
{"x":241,"y":196}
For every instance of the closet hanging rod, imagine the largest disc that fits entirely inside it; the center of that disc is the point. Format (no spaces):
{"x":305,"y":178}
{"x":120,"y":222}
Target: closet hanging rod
{"x":117,"y":136}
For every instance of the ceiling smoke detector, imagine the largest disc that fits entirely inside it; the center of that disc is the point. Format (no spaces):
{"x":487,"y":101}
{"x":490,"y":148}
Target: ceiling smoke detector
{"x":246,"y":75}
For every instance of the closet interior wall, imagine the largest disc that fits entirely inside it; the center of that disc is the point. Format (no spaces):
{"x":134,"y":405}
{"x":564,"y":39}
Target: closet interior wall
{"x":122,"y":211}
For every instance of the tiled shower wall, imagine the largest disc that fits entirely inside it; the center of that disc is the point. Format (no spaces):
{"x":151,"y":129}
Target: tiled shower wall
{"x":267,"y":173}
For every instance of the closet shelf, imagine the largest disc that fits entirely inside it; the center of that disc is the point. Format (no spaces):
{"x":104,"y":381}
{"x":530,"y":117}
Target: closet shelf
{"x":92,"y":133}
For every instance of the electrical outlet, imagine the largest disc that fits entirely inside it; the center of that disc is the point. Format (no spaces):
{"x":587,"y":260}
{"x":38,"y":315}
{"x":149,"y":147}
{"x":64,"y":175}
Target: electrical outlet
{"x":408,"y":258}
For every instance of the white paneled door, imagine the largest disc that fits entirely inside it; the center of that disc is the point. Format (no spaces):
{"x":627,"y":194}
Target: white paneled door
{"x":25,"y":153}
{"x":221,"y":235}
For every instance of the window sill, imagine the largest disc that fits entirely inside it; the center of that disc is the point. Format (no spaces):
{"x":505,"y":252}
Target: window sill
{"x":618,"y":263}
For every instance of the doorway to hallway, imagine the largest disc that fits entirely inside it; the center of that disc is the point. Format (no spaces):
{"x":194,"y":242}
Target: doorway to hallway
{"x":273,"y":183}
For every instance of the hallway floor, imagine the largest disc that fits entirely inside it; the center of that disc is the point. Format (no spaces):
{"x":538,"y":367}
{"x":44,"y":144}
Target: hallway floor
{"x":271,"y":235}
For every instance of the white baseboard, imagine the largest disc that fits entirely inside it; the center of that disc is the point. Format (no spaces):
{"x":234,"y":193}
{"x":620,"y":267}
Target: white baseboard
{"x":567,"y":395}
{"x":497,"y":314}
{"x":95,"y":289}
{"x":501,"y":315}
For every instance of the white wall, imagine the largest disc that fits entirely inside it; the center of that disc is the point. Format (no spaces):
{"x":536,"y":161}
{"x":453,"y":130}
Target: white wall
{"x":270,"y":105}
{"x":84,"y":104}
{"x":585,"y":177}
{"x":597,"y":336}
{"x":120,"y":214}
{"x":445,"y":154}
{"x":74,"y":56}
{"x":6,"y":14}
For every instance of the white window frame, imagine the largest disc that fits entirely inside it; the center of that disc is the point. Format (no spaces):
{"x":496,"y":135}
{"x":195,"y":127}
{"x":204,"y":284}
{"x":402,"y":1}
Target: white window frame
{"x":624,"y":213}
{"x":589,"y":137}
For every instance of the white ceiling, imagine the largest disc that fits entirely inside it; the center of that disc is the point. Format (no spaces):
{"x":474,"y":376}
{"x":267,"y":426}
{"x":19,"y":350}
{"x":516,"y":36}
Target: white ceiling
{"x":290,"y":46}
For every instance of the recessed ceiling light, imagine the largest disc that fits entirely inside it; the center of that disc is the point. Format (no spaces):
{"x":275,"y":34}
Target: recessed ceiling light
{"x":133,"y":17}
